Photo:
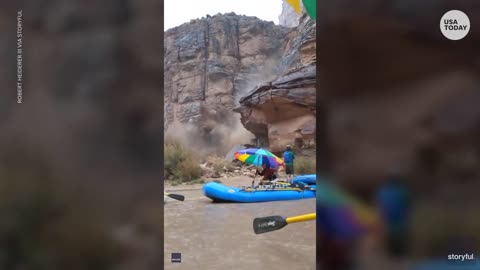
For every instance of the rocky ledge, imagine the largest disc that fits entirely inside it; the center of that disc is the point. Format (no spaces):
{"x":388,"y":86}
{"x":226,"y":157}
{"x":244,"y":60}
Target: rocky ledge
{"x":282,"y":111}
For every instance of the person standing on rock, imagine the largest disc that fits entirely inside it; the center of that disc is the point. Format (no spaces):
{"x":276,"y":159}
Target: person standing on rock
{"x":288,"y":158}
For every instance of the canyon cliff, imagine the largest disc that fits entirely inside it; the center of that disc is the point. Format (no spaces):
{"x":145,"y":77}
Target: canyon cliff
{"x":212,"y":64}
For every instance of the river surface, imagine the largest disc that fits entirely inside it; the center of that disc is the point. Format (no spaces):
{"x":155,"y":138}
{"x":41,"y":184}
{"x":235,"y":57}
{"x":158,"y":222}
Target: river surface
{"x":219,"y":236}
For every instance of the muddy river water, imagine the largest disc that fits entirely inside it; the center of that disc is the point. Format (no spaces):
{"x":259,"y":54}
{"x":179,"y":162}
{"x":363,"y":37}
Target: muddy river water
{"x":213,"y":236}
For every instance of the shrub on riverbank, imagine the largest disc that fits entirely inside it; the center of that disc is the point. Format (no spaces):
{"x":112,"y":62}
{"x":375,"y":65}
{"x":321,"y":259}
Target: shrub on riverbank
{"x":179,"y":163}
{"x":305,"y":165}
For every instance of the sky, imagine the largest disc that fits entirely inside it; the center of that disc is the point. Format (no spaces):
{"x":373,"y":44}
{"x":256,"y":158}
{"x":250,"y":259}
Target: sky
{"x":179,"y":12}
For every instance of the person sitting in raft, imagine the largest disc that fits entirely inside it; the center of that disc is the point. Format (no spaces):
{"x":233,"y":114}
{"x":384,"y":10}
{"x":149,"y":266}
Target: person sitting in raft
{"x":267,"y":173}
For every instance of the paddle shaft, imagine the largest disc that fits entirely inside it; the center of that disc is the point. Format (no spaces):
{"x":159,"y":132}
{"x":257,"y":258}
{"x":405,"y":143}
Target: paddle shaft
{"x":301,"y":218}
{"x":273,"y":223}
{"x":175,"y":196}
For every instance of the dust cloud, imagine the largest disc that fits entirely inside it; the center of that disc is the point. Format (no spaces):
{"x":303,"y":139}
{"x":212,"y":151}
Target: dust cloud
{"x":218,"y":132}
{"x":254,"y":78}
{"x":217,"y":141}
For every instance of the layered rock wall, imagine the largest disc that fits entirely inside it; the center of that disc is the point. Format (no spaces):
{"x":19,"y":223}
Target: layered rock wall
{"x":282,"y":111}
{"x":211,"y":62}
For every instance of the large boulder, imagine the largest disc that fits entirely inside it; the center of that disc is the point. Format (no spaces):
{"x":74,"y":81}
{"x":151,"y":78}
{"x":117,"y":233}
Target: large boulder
{"x":283,"y":111}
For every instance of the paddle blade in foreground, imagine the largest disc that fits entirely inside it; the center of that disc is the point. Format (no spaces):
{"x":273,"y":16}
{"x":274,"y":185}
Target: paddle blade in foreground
{"x":177,"y":197}
{"x":268,"y":224}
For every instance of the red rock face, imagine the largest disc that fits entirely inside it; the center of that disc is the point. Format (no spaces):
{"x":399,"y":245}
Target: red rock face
{"x":282,"y":111}
{"x":213,"y":62}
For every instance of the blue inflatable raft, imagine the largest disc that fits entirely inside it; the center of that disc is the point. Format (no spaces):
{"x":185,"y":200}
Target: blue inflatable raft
{"x":221,"y":193}
{"x":309,"y":179}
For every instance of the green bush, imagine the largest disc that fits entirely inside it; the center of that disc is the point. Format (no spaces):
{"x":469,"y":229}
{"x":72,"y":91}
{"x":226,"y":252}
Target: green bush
{"x":189,"y":170}
{"x":304,"y":166}
{"x":179,"y":163}
{"x":174,"y":154}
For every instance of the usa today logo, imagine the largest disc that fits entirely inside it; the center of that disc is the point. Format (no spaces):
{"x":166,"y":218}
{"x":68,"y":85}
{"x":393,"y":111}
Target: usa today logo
{"x":455,"y":25}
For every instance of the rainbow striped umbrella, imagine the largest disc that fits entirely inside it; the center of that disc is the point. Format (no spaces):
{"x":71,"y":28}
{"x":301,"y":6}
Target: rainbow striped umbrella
{"x":258,"y":157}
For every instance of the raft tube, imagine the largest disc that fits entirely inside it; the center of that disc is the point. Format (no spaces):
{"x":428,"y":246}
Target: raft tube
{"x":220,"y":193}
{"x":309,"y":179}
